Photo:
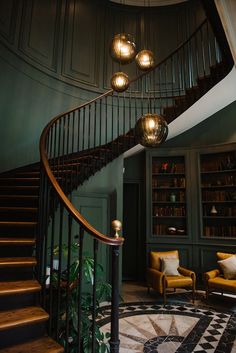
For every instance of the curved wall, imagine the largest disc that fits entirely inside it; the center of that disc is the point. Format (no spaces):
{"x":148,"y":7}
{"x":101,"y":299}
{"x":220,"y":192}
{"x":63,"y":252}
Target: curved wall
{"x":54,"y":55}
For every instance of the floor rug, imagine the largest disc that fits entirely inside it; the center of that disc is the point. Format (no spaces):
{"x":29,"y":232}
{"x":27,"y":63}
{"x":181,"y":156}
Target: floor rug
{"x":178,"y":327}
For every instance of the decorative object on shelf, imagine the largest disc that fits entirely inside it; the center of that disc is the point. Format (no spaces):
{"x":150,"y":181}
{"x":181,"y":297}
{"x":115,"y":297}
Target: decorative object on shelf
{"x":151,"y":130}
{"x":180,"y":231}
{"x":172,"y":197}
{"x":164,"y":167}
{"x":145,"y":59}
{"x":171,"y":230}
{"x":120,"y":81}
{"x":213,"y":211}
{"x":123,"y":48}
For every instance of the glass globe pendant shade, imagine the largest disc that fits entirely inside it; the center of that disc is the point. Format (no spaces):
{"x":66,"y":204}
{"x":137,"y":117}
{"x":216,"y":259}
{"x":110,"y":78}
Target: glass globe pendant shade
{"x":120,"y":81}
{"x":145,"y":59}
{"x":151,"y":130}
{"x":123,"y":48}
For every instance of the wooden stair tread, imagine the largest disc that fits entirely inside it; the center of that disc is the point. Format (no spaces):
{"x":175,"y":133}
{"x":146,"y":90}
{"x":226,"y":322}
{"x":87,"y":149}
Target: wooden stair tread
{"x":17,"y":262}
{"x":18,"y":208}
{"x":20,"y":187}
{"x":40,"y":345}
{"x":17,"y":241}
{"x":18,"y":196}
{"x":18,"y":179}
{"x":19,"y":287}
{"x":18,"y":224}
{"x":21,"y":317}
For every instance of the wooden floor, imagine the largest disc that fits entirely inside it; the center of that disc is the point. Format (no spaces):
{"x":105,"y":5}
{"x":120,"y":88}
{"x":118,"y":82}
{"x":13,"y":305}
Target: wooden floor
{"x":137,"y":292}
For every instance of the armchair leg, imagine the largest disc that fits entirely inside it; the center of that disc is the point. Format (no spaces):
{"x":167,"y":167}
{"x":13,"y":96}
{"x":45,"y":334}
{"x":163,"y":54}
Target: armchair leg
{"x":207,"y":293}
{"x":164,"y":291}
{"x":148,"y":289}
{"x":193,"y":293}
{"x":164,"y":297}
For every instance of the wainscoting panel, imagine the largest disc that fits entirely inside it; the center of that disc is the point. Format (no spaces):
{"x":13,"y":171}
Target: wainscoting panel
{"x":94,"y":207}
{"x":82,"y":49}
{"x":40,"y":32}
{"x":8,"y":14}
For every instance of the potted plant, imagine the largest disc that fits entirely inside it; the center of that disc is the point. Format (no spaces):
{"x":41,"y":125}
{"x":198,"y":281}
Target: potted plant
{"x":103,"y":293}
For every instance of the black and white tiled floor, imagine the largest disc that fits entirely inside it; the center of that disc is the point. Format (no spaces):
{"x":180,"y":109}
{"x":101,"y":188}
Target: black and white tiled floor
{"x":180,"y":328}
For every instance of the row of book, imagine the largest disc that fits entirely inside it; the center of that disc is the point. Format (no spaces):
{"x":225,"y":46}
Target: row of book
{"x":169,"y":211}
{"x":220,"y":231}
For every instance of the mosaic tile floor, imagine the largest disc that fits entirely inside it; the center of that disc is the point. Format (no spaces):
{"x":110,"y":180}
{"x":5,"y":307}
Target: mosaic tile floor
{"x":180,"y":328}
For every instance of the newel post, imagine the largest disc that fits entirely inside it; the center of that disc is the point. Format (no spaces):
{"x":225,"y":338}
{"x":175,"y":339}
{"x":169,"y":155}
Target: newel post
{"x":114,"y":341}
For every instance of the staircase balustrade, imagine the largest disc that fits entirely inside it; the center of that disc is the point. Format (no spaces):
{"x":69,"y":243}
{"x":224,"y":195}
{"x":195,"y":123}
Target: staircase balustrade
{"x":77,"y":144}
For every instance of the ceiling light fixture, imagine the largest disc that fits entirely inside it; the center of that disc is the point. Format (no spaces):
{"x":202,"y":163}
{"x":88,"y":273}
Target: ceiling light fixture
{"x":120,"y":81}
{"x":151,"y":130}
{"x":123,"y":48}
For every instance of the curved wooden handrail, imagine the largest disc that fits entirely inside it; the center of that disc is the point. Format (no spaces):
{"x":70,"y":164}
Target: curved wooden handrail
{"x":60,"y":193}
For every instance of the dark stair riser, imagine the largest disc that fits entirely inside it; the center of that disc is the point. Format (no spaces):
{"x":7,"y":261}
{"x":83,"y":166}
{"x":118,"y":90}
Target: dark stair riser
{"x":17,"y":301}
{"x":18,"y":213}
{"x":14,"y":251}
{"x":20,"y":181}
{"x":19,"y":200}
{"x":19,"y":190}
{"x":14,"y":274}
{"x":22,"y":334}
{"x":21,"y":228}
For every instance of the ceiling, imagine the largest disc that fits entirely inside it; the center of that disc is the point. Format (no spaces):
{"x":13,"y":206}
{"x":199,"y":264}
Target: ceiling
{"x":148,"y":2}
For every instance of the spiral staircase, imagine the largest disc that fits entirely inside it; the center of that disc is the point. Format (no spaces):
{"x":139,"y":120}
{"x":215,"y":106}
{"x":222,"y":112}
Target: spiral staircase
{"x":36,"y":201}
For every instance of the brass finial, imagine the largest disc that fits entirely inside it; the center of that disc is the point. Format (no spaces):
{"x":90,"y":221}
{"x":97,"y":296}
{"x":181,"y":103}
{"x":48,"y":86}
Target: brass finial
{"x":116,"y":226}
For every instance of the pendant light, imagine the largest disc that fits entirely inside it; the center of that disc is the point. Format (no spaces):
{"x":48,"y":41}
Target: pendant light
{"x":123,"y":48}
{"x":151,"y":130}
{"x":120,"y":81}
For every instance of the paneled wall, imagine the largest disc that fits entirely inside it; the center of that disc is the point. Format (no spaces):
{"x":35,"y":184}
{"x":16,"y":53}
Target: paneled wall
{"x":70,"y":39}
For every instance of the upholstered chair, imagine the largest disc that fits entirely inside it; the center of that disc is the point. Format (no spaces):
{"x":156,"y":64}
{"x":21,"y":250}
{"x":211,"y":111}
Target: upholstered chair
{"x":164,"y":272}
{"x":222,"y":279}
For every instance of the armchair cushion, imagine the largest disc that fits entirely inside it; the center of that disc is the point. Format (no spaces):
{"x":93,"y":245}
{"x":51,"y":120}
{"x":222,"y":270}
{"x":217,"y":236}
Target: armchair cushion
{"x":170,"y":266}
{"x":155,"y":257}
{"x":228,"y":266}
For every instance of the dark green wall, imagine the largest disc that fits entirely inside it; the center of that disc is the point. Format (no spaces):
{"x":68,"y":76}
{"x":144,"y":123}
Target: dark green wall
{"x":50,"y":64}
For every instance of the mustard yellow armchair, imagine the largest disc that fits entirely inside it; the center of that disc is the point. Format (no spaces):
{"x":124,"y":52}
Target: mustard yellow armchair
{"x":222,"y":279}
{"x":164,"y":272}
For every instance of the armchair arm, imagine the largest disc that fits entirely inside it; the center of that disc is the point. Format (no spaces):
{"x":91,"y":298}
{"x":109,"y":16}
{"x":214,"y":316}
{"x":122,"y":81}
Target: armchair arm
{"x":158,"y":274}
{"x":185,"y":272}
{"x":155,"y":279}
{"x":211,"y":274}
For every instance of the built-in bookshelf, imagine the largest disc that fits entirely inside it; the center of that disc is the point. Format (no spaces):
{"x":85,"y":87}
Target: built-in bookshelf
{"x":169,"y":205}
{"x":218,"y":194}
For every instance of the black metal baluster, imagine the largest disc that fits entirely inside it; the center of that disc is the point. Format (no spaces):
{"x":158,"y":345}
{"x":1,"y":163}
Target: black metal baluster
{"x":95,"y":253}
{"x":58,"y":284}
{"x":69,"y":285}
{"x":160,"y":91}
{"x":45,"y":239}
{"x":114,"y":341}
{"x":83,"y":129}
{"x":95,"y":123}
{"x":51,"y":269}
{"x":89,"y":125}
{"x":80,"y":281}
{"x":106,"y":117}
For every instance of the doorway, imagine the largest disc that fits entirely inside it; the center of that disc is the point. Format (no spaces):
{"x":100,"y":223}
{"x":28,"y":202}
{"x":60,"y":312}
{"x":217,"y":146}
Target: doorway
{"x":132,"y":259}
